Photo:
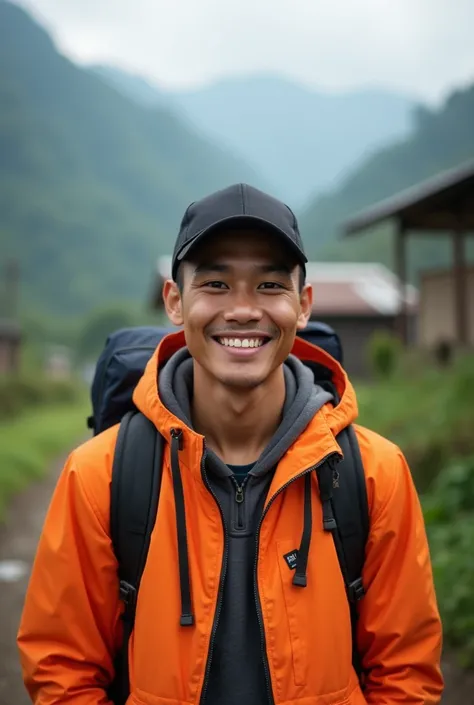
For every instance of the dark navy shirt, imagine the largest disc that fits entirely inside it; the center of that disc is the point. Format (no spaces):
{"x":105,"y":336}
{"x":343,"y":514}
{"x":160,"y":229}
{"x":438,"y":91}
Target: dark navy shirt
{"x":241,"y":471}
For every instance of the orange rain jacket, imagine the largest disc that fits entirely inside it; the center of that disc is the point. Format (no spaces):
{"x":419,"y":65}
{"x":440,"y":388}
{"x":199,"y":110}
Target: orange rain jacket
{"x":70,"y":627}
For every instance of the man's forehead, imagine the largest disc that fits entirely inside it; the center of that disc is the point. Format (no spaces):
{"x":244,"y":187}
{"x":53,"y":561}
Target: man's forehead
{"x":245,"y":244}
{"x":264,"y":266}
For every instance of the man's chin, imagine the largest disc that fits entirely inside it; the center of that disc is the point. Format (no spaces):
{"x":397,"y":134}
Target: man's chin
{"x":241,"y":380}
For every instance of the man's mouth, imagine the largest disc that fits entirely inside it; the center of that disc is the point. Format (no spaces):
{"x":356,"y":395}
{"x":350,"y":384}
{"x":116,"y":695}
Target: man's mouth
{"x":247,"y":342}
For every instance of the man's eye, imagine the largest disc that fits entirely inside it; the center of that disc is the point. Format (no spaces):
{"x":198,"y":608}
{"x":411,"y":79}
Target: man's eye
{"x":270,"y":285}
{"x":215,"y":285}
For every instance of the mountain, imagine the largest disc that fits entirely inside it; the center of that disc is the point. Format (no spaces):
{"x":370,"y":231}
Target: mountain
{"x":301,"y":140}
{"x":92,"y":185}
{"x":440,"y":139}
{"x":134,"y":86}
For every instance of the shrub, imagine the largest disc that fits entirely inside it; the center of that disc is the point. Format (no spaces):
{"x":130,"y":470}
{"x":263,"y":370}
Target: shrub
{"x":18,"y":394}
{"x":449,"y":515}
{"x":443,"y":353}
{"x":384,"y":352}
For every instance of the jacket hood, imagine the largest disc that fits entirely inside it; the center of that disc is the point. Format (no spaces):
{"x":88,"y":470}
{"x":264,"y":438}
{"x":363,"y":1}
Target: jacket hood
{"x":147,"y":399}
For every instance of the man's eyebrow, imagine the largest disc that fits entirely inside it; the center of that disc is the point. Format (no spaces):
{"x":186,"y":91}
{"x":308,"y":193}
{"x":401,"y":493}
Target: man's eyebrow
{"x":275,"y":268}
{"x":209,"y":267}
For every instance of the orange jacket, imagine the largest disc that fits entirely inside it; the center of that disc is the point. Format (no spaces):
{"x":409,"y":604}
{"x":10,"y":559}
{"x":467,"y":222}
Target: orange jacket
{"x":70,"y":626}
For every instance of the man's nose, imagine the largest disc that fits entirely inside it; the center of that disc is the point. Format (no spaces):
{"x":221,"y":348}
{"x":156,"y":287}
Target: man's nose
{"x":242,"y":309}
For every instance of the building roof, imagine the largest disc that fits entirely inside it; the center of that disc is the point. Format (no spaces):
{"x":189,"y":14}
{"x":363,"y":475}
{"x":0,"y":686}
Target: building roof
{"x":9,"y":330}
{"x":340,"y":288}
{"x":359,"y":289}
{"x":435,"y":204}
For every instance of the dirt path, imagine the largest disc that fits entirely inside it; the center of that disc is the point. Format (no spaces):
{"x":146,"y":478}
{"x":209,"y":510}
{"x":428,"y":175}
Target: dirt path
{"x":18,"y":539}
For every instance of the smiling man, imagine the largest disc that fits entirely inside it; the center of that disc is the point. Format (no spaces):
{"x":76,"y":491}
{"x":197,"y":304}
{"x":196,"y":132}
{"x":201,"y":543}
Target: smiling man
{"x":242,"y":601}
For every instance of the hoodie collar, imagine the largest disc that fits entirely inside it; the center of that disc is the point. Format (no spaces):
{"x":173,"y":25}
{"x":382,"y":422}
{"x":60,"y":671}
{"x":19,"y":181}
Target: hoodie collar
{"x":146,"y":396}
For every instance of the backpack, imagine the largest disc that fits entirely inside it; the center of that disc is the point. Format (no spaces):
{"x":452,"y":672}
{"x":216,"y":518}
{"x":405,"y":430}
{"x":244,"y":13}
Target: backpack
{"x":137,"y":468}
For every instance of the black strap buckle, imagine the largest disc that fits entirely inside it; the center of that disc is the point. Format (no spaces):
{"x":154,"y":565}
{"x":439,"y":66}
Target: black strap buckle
{"x":356,"y":590}
{"x":128,"y":595}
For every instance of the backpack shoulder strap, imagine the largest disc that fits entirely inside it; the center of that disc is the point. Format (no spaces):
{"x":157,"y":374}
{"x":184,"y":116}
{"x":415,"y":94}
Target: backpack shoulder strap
{"x":135,"y":489}
{"x":347,"y":494}
{"x":351,"y":511}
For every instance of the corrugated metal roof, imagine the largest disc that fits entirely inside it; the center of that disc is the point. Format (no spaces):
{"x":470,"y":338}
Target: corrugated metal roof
{"x":440,"y":187}
{"x":357,"y":289}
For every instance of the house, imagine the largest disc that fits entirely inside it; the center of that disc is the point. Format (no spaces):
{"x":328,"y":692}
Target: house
{"x":355,"y":299}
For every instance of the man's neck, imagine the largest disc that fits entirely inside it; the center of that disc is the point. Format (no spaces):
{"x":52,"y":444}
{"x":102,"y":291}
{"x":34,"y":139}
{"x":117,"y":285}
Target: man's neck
{"x":237,"y":423}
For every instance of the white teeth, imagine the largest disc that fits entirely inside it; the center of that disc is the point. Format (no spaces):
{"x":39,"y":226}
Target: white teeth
{"x":241,"y":342}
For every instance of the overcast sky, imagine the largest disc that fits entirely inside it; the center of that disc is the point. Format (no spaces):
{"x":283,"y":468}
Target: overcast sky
{"x":424,"y":47}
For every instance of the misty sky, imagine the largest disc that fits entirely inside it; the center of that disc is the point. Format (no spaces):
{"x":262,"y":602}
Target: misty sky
{"x":424,"y":47}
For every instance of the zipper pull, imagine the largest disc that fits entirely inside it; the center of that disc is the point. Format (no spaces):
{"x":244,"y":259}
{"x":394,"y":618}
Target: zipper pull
{"x":177,"y":435}
{"x":239,"y":494}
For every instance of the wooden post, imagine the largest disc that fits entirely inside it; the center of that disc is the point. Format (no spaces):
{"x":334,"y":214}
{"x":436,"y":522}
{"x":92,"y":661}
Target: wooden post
{"x":401,"y":271}
{"x":460,"y":286}
{"x":12,"y":277}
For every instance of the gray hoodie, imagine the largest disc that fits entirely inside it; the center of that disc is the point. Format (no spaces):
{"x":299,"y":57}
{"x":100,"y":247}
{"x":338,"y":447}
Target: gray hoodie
{"x":235,"y":672}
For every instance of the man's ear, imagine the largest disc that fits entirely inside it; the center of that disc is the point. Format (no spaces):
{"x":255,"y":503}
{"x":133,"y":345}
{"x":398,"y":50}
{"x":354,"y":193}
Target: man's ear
{"x":173,"y":303}
{"x":306,"y":306}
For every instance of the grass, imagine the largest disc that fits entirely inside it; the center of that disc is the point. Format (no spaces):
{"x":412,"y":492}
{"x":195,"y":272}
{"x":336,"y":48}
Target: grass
{"x":32,"y":440}
{"x":449,"y":516}
{"x":428,"y":412}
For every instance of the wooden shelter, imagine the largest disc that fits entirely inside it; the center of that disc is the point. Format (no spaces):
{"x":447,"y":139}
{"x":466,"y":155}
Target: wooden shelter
{"x":441,"y":205}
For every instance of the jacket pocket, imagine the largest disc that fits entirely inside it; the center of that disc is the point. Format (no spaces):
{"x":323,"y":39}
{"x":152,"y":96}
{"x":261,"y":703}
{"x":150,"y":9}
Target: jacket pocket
{"x":138,"y":697}
{"x":295,"y":607}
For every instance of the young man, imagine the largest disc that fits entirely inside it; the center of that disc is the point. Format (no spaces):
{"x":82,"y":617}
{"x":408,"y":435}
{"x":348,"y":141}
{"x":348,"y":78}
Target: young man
{"x":221,"y":619}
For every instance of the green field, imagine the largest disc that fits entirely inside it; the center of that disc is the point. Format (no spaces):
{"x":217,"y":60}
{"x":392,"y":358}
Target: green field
{"x":427,"y":411}
{"x":30,"y":441}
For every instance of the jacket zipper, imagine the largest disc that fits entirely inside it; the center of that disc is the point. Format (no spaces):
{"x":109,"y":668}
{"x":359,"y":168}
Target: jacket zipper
{"x":221,"y":584}
{"x":239,"y":498}
{"x":257,"y":597}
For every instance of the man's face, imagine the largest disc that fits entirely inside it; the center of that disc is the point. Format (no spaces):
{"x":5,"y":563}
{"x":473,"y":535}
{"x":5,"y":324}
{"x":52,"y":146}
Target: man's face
{"x":240,"y":305}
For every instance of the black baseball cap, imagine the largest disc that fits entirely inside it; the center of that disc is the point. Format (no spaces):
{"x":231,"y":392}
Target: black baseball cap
{"x":239,"y":204}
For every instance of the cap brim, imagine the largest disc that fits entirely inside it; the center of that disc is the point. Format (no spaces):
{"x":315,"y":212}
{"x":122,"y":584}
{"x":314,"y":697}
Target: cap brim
{"x":240,"y":219}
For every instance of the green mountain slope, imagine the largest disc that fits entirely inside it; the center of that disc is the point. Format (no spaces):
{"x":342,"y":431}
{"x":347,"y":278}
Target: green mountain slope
{"x":301,"y":140}
{"x":92,"y":185}
{"x":440,"y":139}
